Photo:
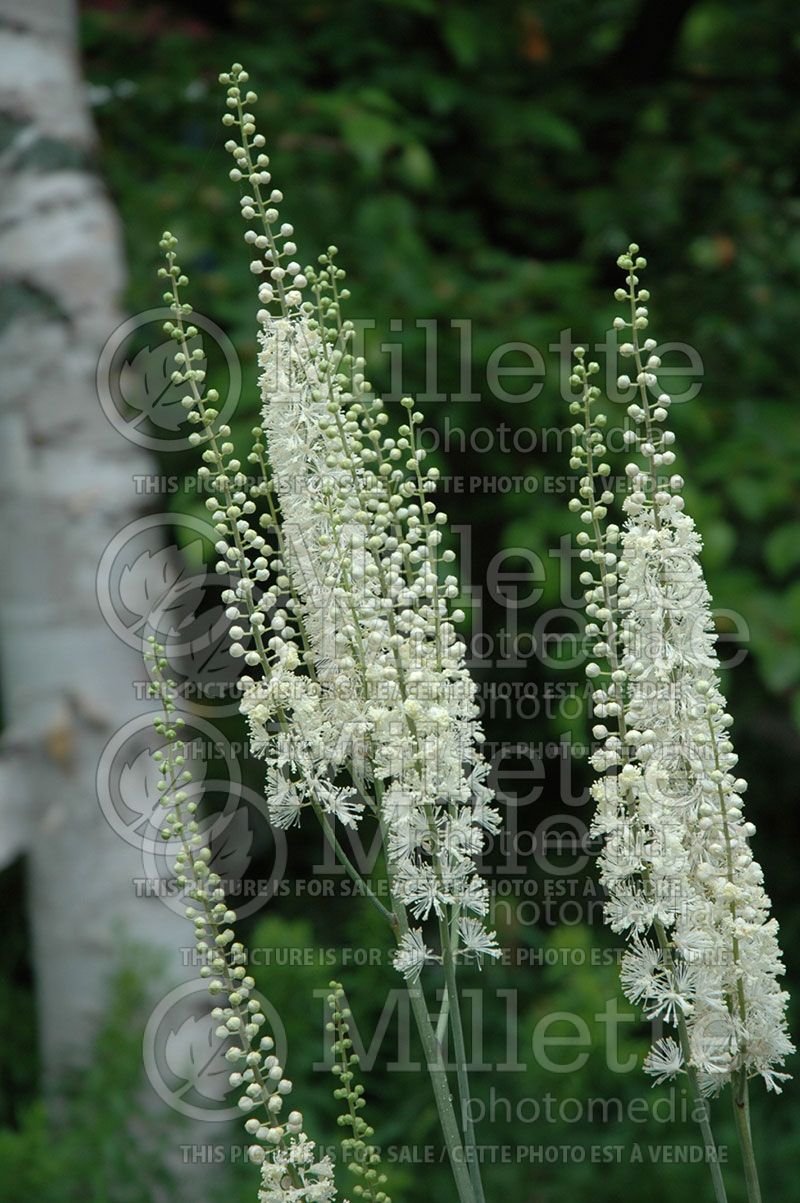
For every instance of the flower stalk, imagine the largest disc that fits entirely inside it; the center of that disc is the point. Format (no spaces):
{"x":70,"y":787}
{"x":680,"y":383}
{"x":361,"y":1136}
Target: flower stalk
{"x":355,"y":688}
{"x":676,"y":860}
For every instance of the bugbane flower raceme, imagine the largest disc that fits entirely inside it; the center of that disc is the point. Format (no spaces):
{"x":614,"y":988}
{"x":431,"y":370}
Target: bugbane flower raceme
{"x":355,"y":687}
{"x":366,"y":702}
{"x":676,"y":861}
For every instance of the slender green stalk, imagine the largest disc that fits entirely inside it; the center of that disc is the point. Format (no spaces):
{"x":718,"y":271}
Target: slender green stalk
{"x":701,"y":1109}
{"x":359,"y":1153}
{"x":703,"y":1118}
{"x":430,"y":1044}
{"x":462,"y":1073}
{"x":741,"y":1112}
{"x":439,"y":1083}
{"x":350,"y":869}
{"x":442,"y":1094}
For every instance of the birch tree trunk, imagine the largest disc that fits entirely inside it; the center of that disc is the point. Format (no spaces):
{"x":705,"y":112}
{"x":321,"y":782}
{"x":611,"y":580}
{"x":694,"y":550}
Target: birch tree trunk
{"x":66,"y":488}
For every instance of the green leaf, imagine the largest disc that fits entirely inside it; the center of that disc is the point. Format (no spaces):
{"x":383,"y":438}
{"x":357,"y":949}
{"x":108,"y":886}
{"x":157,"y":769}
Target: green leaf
{"x":418,"y":165}
{"x":463,"y":33}
{"x":782,"y":548}
{"x":546,"y":128}
{"x":369,"y":135}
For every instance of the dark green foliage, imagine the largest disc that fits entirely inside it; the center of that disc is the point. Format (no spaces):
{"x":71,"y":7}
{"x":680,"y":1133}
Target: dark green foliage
{"x":488,"y":162}
{"x":99,"y":1143}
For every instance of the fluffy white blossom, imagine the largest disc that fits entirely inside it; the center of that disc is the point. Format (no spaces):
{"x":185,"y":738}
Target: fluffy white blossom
{"x":676,"y":859}
{"x":355,"y":688}
{"x":294,"y":1174}
{"x":391,"y":700}
{"x":412,"y":955}
{"x":360,"y":701}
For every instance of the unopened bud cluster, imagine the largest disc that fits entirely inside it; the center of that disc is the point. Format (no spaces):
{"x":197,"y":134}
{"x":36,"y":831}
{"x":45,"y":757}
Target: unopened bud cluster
{"x":362,"y":1157}
{"x":280,"y":1146}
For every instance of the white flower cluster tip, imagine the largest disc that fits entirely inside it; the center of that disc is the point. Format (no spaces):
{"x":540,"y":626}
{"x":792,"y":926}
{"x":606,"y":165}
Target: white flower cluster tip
{"x":676,"y":860}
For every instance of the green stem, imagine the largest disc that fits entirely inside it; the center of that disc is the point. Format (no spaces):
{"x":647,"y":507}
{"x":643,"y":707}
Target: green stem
{"x":431,"y":1048}
{"x":741,"y":1112}
{"x":350,"y":869}
{"x":700,"y":1104}
{"x":434,"y":1061}
{"x":444,"y":1018}
{"x":441,"y":1094}
{"x":462,"y":1073}
{"x":704,"y":1119}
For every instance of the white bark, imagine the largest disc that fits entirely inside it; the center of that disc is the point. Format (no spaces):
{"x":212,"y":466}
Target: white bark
{"x":65,"y":490}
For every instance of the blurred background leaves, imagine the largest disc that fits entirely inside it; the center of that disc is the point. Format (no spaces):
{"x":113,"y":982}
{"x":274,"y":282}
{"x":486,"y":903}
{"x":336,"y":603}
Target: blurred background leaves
{"x":488,"y":162}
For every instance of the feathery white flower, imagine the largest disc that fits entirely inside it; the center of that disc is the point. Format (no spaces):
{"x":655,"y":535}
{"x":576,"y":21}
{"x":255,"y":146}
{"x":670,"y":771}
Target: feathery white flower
{"x":390,"y":701}
{"x":412,"y":955}
{"x":477,"y":942}
{"x":664,"y":1060}
{"x":341,"y":601}
{"x":296,"y":1175}
{"x":676,"y":860}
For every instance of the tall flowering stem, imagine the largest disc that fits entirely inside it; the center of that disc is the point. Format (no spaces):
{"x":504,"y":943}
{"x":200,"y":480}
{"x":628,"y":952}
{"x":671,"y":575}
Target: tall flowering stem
{"x":676,"y":863}
{"x":355,"y":686}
